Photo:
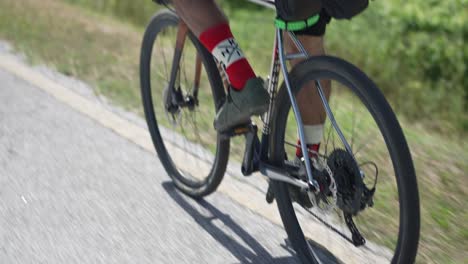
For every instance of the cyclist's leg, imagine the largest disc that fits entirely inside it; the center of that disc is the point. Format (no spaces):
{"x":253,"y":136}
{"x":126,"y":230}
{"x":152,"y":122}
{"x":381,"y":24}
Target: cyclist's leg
{"x":310,"y":105}
{"x":206,"y":20}
{"x":199,"y":15}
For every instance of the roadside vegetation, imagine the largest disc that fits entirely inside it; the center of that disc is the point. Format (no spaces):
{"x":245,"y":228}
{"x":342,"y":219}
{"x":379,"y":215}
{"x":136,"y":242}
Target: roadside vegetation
{"x":414,"y":50}
{"x":419,"y":61}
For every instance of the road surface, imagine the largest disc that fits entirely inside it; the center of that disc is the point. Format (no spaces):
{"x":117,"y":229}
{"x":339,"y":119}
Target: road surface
{"x":73,"y":191}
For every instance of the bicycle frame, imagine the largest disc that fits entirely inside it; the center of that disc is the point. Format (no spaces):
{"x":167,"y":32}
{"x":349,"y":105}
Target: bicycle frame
{"x":280,"y":57}
{"x":256,"y":153}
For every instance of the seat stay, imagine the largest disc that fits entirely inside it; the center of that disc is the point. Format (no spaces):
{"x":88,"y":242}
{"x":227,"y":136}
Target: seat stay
{"x":297,"y":113}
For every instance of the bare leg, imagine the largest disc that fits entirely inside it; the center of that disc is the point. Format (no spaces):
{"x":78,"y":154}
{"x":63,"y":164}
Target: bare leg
{"x":308,"y":99}
{"x":206,"y":20}
{"x":199,"y":14}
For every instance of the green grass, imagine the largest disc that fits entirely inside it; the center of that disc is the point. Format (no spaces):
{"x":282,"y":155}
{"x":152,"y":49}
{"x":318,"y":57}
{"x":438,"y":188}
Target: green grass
{"x":77,"y":43}
{"x":105,"y":53}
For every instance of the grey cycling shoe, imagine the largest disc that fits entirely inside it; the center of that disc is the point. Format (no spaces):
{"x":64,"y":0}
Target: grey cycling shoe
{"x":241,"y":105}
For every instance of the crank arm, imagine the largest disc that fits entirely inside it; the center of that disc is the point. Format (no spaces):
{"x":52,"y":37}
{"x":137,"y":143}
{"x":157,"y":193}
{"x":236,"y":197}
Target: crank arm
{"x":277,"y":174}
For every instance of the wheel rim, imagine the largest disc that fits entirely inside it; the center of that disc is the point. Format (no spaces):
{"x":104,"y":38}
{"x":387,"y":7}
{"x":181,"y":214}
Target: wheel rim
{"x":379,"y":225}
{"x":188,"y":137}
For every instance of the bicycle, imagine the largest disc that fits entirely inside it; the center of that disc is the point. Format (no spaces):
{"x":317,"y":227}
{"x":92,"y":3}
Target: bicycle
{"x":341,"y":197}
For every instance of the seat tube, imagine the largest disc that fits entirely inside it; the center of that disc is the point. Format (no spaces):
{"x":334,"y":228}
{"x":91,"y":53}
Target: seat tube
{"x":272,"y":86}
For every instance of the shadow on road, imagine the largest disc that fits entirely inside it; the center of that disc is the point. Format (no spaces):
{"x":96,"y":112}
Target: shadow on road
{"x":255,"y":253}
{"x":206,"y":217}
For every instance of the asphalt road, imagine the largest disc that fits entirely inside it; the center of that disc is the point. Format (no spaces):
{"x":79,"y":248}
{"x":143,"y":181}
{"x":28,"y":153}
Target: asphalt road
{"x":73,"y":191}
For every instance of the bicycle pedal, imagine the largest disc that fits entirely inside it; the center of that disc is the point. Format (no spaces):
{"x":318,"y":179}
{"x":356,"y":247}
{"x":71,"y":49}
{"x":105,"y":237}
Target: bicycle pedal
{"x":240,"y":130}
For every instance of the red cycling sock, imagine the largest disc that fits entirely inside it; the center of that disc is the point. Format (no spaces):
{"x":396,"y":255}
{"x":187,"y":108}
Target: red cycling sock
{"x":221,"y":43}
{"x":313,"y":149}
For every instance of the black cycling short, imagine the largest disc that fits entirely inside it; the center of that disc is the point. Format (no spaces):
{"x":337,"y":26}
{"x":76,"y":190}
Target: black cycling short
{"x":294,"y":10}
{"x":318,"y":29}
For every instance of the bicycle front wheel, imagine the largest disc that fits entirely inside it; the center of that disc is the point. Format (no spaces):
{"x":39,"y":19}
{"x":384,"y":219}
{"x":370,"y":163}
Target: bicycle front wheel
{"x":363,"y":145}
{"x":191,"y":151}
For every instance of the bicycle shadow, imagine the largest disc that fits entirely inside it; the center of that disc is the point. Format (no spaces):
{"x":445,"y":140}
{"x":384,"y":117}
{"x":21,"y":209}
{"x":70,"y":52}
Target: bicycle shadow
{"x":255,"y":252}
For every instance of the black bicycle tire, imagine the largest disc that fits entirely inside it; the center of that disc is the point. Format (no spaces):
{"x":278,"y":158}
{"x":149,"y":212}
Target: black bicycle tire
{"x":324,"y":67}
{"x":159,"y":21}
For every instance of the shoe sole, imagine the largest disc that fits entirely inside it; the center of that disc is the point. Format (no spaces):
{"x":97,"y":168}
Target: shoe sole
{"x":259,"y":110}
{"x":255,"y":111}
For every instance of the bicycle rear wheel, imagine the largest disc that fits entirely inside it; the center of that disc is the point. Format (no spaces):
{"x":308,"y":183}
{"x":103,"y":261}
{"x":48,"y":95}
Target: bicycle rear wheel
{"x":191,"y":151}
{"x":378,"y":147}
